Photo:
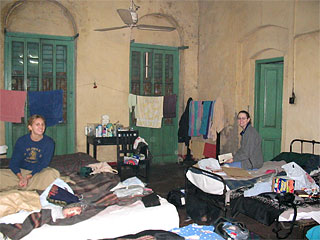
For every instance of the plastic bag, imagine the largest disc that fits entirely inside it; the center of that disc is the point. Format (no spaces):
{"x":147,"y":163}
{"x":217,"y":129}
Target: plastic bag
{"x":302,"y":178}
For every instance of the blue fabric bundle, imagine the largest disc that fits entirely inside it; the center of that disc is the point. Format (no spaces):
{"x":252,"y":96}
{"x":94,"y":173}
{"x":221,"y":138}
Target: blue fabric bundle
{"x":61,"y":197}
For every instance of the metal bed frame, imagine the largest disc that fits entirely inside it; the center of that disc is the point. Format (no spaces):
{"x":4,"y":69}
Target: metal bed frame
{"x":225,"y":207}
{"x":302,"y":141}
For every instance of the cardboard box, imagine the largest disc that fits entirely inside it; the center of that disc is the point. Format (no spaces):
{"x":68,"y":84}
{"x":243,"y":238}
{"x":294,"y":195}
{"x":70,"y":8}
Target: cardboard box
{"x":283,"y":185}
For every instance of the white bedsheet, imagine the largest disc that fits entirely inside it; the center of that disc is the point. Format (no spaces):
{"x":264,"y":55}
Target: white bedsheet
{"x":303,"y":213}
{"x":114,"y":221}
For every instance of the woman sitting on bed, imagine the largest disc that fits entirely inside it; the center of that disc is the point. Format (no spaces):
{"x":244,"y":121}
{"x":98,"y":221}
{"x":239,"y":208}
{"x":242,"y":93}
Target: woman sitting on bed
{"x":249,"y":155}
{"x":30,"y":160}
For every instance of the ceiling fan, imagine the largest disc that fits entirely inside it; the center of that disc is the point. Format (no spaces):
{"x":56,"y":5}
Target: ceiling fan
{"x":130,"y":18}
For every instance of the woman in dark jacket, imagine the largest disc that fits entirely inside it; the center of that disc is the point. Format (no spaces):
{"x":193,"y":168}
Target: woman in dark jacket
{"x":249,"y":155}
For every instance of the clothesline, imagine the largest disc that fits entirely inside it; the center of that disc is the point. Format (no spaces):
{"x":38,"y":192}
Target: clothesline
{"x":49,"y":104}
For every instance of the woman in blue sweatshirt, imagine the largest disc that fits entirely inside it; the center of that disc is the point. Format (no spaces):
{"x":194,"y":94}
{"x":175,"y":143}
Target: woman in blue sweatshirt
{"x":30,"y":160}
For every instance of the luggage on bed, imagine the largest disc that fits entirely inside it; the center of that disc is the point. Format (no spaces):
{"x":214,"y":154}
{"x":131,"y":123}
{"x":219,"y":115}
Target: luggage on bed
{"x":201,"y":206}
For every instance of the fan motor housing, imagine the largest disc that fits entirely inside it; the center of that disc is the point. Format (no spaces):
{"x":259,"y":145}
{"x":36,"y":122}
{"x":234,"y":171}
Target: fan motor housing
{"x":134,"y":16}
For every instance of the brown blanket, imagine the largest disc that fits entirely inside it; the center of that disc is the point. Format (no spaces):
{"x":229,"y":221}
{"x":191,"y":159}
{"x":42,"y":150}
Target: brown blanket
{"x":94,"y":189}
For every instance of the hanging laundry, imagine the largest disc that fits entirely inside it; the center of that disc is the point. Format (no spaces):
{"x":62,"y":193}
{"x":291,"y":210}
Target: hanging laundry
{"x":49,"y":104}
{"x":218,"y":122}
{"x":195,"y":118}
{"x":132,"y":101}
{"x":211,"y":111}
{"x":169,"y":106}
{"x":206,"y":116}
{"x":12,"y":105}
{"x":149,"y":111}
{"x":183,"y":131}
{"x":197,"y":147}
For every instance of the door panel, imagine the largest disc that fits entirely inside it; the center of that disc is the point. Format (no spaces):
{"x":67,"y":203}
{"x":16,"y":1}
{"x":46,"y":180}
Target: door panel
{"x":154,"y":72}
{"x":269,"y":108}
{"x":38,"y":64}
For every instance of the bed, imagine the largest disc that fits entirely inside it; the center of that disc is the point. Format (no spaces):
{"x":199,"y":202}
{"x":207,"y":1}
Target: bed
{"x":105,"y":215}
{"x":217,"y":194}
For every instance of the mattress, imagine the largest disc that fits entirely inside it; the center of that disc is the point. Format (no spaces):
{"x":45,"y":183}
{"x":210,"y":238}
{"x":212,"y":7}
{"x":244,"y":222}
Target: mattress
{"x":114,"y":221}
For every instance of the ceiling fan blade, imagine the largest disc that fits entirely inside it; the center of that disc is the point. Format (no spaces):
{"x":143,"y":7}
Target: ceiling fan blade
{"x":155,"y":28}
{"x":125,"y":15}
{"x":110,"y":29}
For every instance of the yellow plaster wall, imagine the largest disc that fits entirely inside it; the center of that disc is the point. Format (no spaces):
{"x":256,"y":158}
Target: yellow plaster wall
{"x":224,"y":39}
{"x":103,"y":57}
{"x":234,"y":34}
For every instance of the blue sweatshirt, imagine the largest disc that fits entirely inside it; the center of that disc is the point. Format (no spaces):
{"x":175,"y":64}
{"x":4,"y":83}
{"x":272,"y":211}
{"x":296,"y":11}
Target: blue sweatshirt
{"x":31,"y":155}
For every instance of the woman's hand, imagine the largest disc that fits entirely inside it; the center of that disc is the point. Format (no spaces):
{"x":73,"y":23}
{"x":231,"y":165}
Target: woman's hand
{"x":23,"y":182}
{"x":229,"y":160}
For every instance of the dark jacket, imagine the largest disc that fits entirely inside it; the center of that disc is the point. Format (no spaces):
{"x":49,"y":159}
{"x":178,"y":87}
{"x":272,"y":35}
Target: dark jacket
{"x":250,"y":151}
{"x":183,"y":131}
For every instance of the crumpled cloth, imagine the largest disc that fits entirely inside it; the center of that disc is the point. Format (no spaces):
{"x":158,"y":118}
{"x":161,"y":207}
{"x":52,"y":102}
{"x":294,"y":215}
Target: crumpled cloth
{"x":137,"y":141}
{"x":15,"y":200}
{"x":101,"y":167}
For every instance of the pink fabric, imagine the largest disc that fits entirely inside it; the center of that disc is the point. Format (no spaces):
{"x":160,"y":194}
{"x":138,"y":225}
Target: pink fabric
{"x":12,"y":105}
{"x":199,"y":117}
{"x":195,"y":118}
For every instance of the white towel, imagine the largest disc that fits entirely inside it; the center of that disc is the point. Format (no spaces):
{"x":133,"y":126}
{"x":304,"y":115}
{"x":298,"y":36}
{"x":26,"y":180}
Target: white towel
{"x":149,"y":111}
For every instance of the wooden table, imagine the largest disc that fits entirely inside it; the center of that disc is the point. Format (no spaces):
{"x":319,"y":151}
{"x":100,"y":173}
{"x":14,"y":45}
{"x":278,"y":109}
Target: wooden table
{"x":99,"y":141}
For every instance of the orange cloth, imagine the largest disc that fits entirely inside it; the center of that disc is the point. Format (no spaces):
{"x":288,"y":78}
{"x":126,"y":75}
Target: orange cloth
{"x":197,"y":147}
{"x":12,"y":105}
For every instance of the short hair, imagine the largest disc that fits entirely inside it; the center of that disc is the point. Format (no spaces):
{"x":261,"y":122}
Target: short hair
{"x":245,"y":112}
{"x":34,"y":117}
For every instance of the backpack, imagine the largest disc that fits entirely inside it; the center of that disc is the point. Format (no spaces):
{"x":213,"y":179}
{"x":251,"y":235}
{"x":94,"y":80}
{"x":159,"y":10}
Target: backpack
{"x":176,"y":197}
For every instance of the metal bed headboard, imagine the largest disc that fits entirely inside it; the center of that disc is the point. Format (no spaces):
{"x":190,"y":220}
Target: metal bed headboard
{"x":302,"y":141}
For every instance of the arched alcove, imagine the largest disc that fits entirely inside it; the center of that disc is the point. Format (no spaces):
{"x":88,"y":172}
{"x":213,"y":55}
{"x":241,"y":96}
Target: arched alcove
{"x":41,"y":17}
{"x":264,"y":42}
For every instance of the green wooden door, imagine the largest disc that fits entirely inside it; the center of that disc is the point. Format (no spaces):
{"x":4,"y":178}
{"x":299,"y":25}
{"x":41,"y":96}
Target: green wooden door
{"x":154,"y":71}
{"x":41,"y":63}
{"x":268,"y":114}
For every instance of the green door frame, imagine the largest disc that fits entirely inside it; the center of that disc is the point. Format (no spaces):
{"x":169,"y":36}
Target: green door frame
{"x":175,"y":51}
{"x":69,"y":42}
{"x":257,"y":112}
